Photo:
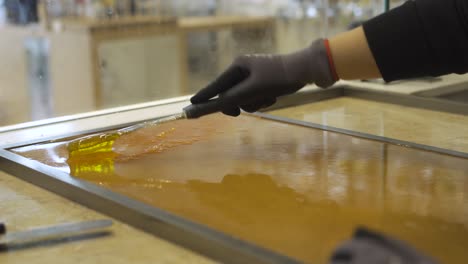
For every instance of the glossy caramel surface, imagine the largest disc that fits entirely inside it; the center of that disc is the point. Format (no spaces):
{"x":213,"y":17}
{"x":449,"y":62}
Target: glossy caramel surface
{"x":295,"y":190}
{"x":423,"y":126}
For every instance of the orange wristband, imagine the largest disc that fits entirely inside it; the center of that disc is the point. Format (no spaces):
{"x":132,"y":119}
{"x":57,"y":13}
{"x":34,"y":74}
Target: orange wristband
{"x":330,"y":60}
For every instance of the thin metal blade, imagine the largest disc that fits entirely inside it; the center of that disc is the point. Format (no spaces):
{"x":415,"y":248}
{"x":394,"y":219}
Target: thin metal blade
{"x":50,"y":232}
{"x":153,"y":122}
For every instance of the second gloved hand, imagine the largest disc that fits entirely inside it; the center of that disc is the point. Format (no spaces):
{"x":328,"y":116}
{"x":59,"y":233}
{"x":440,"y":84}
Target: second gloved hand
{"x":253,"y":82}
{"x":370,"y":247}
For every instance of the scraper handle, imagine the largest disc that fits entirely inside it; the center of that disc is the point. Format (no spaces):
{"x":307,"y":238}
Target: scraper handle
{"x":206,"y":108}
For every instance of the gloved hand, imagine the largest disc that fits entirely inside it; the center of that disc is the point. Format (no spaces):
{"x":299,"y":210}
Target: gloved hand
{"x":255,"y":81}
{"x":367,"y":247}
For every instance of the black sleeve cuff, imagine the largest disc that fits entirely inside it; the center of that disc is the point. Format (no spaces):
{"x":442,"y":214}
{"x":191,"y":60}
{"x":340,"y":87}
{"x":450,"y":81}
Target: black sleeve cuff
{"x":420,"y":38}
{"x":396,"y":42}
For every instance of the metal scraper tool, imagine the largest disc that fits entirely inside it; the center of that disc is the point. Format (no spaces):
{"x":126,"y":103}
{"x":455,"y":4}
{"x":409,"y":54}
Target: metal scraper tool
{"x":52,"y":232}
{"x":103,"y":142}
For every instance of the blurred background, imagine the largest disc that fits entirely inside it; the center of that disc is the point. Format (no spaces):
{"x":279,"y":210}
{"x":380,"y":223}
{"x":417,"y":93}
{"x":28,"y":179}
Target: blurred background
{"x":62,"y":57}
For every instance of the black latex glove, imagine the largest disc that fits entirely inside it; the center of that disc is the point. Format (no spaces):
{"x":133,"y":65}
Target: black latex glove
{"x":367,"y":247}
{"x":255,"y":81}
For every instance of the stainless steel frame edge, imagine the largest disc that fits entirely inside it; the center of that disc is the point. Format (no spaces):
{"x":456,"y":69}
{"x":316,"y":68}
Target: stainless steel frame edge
{"x":408,"y":100}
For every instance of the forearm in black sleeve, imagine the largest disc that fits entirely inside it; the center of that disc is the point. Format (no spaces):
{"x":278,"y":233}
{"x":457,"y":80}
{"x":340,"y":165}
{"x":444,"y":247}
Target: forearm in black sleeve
{"x":420,"y":38}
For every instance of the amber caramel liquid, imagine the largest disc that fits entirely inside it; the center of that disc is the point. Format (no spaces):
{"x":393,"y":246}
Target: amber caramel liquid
{"x":294,"y":190}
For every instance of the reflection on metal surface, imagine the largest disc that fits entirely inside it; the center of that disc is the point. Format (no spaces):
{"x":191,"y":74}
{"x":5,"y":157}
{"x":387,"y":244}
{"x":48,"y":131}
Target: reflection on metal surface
{"x":296,"y":190}
{"x":423,"y":126}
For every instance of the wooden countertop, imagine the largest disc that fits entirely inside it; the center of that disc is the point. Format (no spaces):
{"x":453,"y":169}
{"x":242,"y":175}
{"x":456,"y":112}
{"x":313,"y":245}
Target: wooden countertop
{"x":183,"y":23}
{"x":211,"y":22}
{"x":134,"y":21}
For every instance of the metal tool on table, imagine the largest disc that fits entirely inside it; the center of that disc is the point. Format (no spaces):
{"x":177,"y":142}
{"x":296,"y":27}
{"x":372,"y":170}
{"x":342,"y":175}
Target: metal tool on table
{"x":51,"y":232}
{"x":103,"y":142}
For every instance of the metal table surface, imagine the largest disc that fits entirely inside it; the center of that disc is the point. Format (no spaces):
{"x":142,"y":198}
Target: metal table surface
{"x":227,"y":247}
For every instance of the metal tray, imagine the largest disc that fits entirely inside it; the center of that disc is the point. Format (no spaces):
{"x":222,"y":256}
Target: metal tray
{"x":206,"y":241}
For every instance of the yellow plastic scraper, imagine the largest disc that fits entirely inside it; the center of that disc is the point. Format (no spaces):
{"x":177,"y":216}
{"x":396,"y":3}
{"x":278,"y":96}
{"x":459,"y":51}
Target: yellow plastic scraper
{"x":103,"y":142}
